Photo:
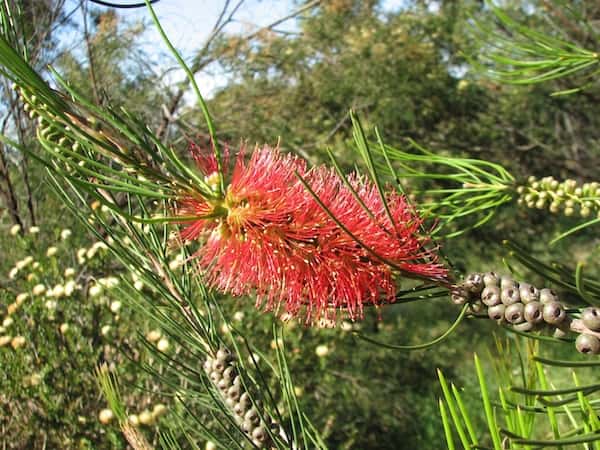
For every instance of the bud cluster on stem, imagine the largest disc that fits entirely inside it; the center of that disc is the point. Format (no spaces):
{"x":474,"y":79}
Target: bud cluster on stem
{"x":568,"y":197}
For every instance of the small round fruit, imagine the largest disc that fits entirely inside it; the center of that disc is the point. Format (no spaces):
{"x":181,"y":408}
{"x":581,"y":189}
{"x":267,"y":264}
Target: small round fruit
{"x":219,"y":365}
{"x":229,"y":373}
{"x":534,"y":312}
{"x":476,"y":307}
{"x":548,"y":296}
{"x":223,"y":354}
{"x":591,"y":318}
{"x":491,"y":295}
{"x":247,"y":426}
{"x":224,"y":384}
{"x":514,"y":313}
{"x":554,"y":313}
{"x":458,"y":298}
{"x":508,"y":282}
{"x":586,"y":343}
{"x":234,"y":392}
{"x":491,"y":279}
{"x":259,"y":433}
{"x":239,"y":409}
{"x":496,"y":312}
{"x":528,"y":293}
{"x":215,"y":376}
{"x":208,"y":365}
{"x":510,"y":295}
{"x":245,"y":400}
{"x":252,"y":416}
{"x":474,"y":283}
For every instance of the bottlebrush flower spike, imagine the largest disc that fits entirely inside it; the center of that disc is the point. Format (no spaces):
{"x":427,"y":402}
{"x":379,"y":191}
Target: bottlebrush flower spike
{"x":269,"y":236}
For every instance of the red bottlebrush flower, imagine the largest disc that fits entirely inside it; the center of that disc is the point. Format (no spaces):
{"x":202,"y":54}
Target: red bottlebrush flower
{"x":272,"y":238}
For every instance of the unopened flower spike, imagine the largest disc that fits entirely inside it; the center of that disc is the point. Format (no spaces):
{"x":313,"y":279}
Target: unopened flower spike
{"x":268,"y":235}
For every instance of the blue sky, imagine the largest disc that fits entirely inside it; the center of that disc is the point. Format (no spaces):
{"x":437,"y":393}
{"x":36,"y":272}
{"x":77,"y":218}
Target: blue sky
{"x":189,"y":22}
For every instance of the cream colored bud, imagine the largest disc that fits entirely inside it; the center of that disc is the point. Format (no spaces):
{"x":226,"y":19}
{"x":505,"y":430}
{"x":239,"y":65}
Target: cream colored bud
{"x":106,"y":416}
{"x":139,"y":285}
{"x":51,"y":305}
{"x":70,"y":287}
{"x":65,"y":234}
{"x":38,"y":289}
{"x":158,"y":410}
{"x":7,"y":322}
{"x":145,"y":417}
{"x":69,"y":272}
{"x":210,"y":445}
{"x":13,"y":273}
{"x":133,"y":420}
{"x":322,"y":351}
{"x":162,"y":344}
{"x":115,"y":306}
{"x":15,"y":229}
{"x":153,"y":335}
{"x":20,"y":299}
{"x":5,"y":340}
{"x":105,"y":330}
{"x":35,"y":379}
{"x":34,"y":230}
{"x":95,"y":290}
{"x":238,"y":316}
{"x":51,"y":251}
{"x":58,"y":291}
{"x":17,"y":342}
{"x":64,"y":327}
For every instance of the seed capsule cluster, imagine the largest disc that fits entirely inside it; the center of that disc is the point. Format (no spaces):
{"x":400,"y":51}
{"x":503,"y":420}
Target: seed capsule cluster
{"x":567,"y":197}
{"x":588,"y":325}
{"x":223,"y":373}
{"x":527,"y":308}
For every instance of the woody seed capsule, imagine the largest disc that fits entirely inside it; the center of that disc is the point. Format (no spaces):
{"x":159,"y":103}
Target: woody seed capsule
{"x":510,"y":295}
{"x":474,"y":283}
{"x":528,"y":293}
{"x":491,"y":295}
{"x":514,"y":313}
{"x":533,"y":312}
{"x":496,"y":312}
{"x":491,"y":279}
{"x":591,"y":318}
{"x":234,"y":392}
{"x":548,"y":296}
{"x":554,"y":313}
{"x":252,"y":416}
{"x":586,"y":343}
{"x":507,"y":282}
